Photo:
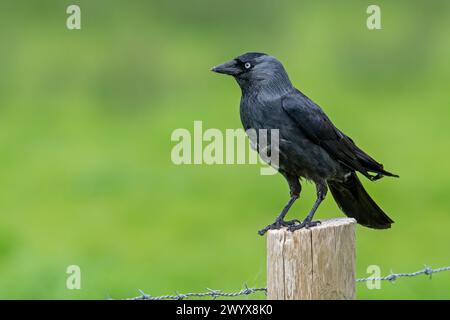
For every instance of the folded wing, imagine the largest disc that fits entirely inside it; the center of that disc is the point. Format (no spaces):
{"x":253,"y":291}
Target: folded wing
{"x":315,"y":124}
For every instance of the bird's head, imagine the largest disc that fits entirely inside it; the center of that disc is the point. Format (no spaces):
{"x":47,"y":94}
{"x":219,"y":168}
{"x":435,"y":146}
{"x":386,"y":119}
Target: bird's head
{"x":255,"y":69}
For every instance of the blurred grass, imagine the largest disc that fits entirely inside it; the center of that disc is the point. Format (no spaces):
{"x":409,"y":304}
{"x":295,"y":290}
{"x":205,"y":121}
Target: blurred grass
{"x":86,"y":118}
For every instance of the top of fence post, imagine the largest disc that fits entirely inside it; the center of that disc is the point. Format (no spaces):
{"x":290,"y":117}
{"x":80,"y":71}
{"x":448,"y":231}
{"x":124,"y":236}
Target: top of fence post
{"x":315,"y":263}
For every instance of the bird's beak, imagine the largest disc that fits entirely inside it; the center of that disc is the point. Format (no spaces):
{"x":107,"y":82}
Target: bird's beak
{"x":231,"y":68}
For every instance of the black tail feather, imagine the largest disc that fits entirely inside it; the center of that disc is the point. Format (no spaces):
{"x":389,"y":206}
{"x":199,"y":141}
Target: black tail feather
{"x":356,"y":203}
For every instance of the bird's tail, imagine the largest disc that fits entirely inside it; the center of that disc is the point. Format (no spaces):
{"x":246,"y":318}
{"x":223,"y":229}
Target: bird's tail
{"x":354,"y":201}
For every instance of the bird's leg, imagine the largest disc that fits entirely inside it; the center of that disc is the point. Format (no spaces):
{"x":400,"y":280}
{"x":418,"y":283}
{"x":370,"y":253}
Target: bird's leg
{"x":295,"y":188}
{"x":322,"y":190}
{"x":279,"y":221}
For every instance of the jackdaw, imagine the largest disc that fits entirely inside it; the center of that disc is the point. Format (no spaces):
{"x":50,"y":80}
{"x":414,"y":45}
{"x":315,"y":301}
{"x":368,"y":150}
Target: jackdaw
{"x":309,"y":145}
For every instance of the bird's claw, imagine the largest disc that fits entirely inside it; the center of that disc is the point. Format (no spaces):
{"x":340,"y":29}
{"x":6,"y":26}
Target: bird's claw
{"x":278,"y":225}
{"x":304,"y":224}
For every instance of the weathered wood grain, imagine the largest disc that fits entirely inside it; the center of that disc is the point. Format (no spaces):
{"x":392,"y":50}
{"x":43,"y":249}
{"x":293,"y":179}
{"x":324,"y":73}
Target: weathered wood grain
{"x":315,"y":263}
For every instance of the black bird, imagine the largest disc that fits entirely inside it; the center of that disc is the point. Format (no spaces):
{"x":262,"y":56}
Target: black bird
{"x":310,"y":146}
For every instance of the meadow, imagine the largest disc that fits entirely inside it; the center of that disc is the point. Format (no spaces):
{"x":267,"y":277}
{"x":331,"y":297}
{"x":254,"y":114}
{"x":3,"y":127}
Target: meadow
{"x":86,"y":116}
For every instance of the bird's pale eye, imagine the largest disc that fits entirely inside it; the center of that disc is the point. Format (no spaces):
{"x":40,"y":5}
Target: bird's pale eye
{"x":247,"y":65}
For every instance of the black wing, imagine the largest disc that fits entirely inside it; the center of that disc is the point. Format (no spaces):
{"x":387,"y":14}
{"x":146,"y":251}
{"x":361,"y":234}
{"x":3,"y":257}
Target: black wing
{"x":315,"y":124}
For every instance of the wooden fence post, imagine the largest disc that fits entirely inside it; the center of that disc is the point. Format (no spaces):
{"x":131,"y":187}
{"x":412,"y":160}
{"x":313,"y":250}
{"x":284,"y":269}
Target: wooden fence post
{"x":316,"y":263}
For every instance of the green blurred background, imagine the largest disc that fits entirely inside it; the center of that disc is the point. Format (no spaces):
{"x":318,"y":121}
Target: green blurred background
{"x":86,"y":118}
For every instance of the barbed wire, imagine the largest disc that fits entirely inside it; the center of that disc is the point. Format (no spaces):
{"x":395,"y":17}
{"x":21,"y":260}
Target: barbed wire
{"x":394,"y":276}
{"x":209,"y":293}
{"x":248,"y":291}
